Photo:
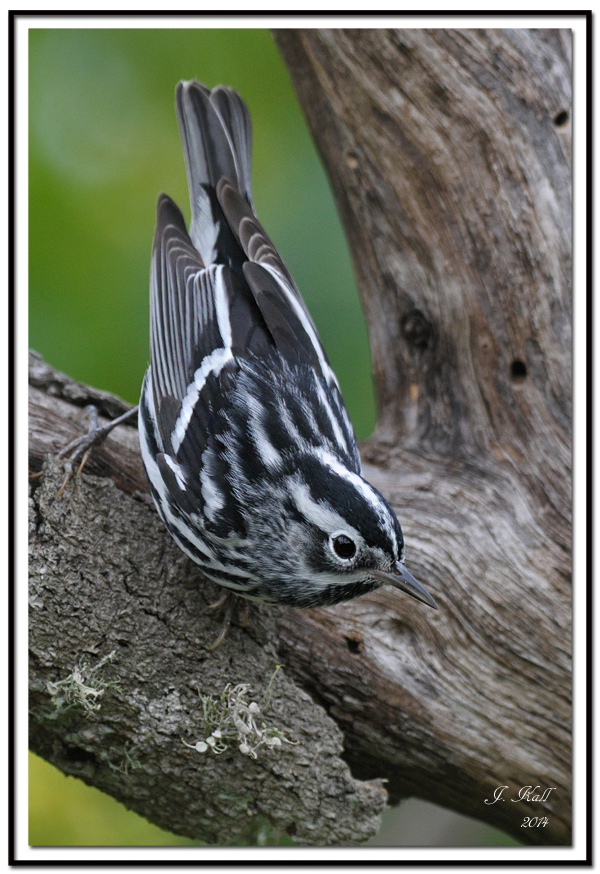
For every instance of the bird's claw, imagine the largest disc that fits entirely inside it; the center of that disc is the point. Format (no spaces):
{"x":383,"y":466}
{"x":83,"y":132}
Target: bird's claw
{"x":80,"y":449}
{"x":229,"y":601}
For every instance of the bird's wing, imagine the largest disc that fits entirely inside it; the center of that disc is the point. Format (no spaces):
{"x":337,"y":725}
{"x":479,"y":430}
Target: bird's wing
{"x":272,"y":286}
{"x":201,"y":318}
{"x":217,"y":136}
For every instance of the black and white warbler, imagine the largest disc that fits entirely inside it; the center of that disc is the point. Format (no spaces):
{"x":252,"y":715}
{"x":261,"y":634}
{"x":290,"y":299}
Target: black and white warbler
{"x":248,"y":448}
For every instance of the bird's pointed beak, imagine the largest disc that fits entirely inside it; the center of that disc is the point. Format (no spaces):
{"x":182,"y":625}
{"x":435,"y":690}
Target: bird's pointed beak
{"x":401,"y":579}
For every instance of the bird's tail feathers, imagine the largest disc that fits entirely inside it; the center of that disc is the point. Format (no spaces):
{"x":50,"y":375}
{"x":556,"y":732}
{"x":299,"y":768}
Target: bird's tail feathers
{"x":216,"y":132}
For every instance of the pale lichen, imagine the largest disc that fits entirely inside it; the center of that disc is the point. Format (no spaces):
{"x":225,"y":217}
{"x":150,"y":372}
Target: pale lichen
{"x":81,"y":690}
{"x":233,"y":718}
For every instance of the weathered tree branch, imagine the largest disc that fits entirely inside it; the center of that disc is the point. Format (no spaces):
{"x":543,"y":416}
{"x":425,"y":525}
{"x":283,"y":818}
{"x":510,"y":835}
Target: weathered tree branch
{"x":107,"y":580}
{"x":453,"y":180}
{"x":449,"y":155}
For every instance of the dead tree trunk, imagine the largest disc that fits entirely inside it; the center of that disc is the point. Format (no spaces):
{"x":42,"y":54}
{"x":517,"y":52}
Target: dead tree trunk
{"x":449,"y":155}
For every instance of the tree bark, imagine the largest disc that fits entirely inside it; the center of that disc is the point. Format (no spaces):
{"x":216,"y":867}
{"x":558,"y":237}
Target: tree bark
{"x":449,"y":155}
{"x":113,"y":598}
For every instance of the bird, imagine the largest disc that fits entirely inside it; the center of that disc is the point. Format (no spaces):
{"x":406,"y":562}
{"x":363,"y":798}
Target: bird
{"x":248,"y":448}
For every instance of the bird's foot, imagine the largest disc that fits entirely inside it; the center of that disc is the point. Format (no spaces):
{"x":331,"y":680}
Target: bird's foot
{"x":230,"y":602}
{"x":79,"y":450}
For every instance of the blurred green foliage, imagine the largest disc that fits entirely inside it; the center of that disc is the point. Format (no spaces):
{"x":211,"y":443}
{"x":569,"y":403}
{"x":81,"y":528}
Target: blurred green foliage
{"x":63,"y":811}
{"x":103,"y":143}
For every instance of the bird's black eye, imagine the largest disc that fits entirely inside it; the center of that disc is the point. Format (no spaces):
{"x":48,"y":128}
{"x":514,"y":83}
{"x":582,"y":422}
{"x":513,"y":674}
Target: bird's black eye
{"x":343,"y":546}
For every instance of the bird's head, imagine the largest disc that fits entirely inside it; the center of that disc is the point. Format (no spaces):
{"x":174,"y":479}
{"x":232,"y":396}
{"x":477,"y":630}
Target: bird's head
{"x":342,"y":535}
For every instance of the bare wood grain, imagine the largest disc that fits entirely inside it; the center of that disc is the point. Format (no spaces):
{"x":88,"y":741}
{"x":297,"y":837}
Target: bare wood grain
{"x":453,"y":182}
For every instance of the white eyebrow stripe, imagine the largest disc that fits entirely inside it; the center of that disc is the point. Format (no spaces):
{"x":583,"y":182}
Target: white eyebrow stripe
{"x":319,"y":515}
{"x":362,"y":485}
{"x":366,"y":490}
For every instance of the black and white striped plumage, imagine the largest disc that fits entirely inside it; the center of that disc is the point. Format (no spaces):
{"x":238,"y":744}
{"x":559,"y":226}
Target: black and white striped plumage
{"x":248,"y":448}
